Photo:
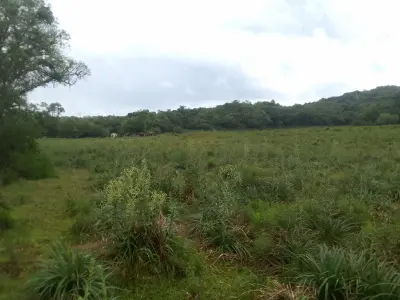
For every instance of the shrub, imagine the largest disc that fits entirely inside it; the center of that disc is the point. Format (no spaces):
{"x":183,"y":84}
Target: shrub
{"x":30,"y":164}
{"x":19,"y":153}
{"x":69,"y":274}
{"x":146,"y":249}
{"x":142,"y":237}
{"x":129,"y":200}
{"x":33,"y":165}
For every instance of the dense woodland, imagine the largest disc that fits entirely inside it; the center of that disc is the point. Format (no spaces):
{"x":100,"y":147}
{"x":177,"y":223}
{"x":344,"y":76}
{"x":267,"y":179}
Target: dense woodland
{"x":378,"y":106}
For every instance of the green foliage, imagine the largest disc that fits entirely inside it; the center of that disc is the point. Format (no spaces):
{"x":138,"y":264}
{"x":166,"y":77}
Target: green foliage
{"x":33,"y":165}
{"x":85,"y":226}
{"x":29,"y":28}
{"x":19,"y":153}
{"x":132,"y":214}
{"x":130,"y":200}
{"x":77,"y":206}
{"x":386,"y":119}
{"x":271,"y":198}
{"x":377,"y":106}
{"x":69,"y":274}
{"x":328,"y":224}
{"x":340,"y":274}
{"x":33,"y":30}
{"x":148,"y":250}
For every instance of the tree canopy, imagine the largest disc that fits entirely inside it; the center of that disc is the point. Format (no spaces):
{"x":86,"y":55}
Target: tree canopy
{"x":377,"y":106}
{"x":32,"y":52}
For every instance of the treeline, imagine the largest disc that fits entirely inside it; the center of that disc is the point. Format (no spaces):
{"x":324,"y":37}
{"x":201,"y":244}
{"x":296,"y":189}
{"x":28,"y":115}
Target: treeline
{"x":378,"y":106}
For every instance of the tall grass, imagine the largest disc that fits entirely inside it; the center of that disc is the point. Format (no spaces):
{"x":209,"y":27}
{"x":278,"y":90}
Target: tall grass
{"x":69,"y":274}
{"x":339,"y":274}
{"x":142,"y":240}
{"x":315,"y":205}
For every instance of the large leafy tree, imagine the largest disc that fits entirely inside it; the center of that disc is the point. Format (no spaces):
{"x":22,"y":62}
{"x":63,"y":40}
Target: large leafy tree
{"x":32,"y":55}
{"x":32,"y":52}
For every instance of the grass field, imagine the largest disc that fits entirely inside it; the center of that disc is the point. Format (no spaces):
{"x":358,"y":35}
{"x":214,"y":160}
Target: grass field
{"x":307,"y":213}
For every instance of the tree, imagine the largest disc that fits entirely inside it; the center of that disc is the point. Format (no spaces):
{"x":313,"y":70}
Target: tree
{"x":47,"y":116}
{"x":55,"y":109}
{"x":32,"y":55}
{"x":32,"y":52}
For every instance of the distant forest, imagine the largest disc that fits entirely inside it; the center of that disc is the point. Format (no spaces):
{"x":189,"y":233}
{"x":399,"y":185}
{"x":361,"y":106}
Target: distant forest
{"x":378,"y":106}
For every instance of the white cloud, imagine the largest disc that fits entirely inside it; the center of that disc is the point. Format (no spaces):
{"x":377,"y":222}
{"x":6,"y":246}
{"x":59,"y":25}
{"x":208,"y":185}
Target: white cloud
{"x":299,"y":45}
{"x":166,"y":84}
{"x":189,"y":91}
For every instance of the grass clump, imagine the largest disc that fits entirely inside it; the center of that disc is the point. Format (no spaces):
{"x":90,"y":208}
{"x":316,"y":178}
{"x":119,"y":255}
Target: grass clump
{"x":70,"y":274}
{"x":337,"y":273}
{"x":142,"y":237}
{"x":217,"y":221}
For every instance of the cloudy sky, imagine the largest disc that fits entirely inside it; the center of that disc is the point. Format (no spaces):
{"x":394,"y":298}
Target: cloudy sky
{"x":158,"y":54}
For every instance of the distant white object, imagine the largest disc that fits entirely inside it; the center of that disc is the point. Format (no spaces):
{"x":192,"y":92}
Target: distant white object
{"x":114,"y":135}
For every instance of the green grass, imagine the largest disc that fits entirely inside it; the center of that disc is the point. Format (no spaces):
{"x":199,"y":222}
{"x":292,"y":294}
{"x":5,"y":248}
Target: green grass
{"x":259,"y":206}
{"x":70,"y":274}
{"x":38,"y":210}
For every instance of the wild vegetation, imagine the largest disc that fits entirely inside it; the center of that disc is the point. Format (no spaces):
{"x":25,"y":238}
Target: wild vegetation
{"x":309,"y":213}
{"x":301,"y":213}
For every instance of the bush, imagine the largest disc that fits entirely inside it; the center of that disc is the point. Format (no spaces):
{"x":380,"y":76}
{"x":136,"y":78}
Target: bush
{"x":154,"y":251}
{"x":19,"y":153}
{"x":33,"y":165}
{"x":142,"y":237}
{"x":30,"y":164}
{"x":69,"y":274}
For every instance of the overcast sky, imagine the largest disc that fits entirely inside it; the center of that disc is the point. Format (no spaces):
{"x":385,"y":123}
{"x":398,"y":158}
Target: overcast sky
{"x":160,"y":54}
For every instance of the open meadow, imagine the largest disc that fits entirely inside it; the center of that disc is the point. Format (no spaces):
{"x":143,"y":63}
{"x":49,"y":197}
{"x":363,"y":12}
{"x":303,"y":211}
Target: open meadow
{"x":311,"y":213}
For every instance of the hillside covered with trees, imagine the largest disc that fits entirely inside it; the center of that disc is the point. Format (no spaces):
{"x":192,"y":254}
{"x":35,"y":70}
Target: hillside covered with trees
{"x":377,"y":106}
